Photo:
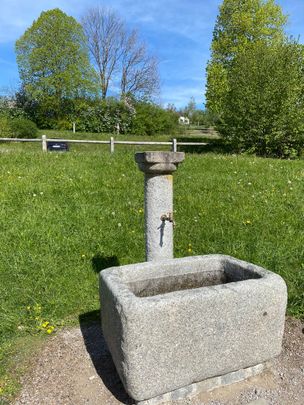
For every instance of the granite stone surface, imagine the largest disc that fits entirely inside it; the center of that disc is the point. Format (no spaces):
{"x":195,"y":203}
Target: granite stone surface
{"x":158,"y":202}
{"x":158,"y":168}
{"x":207,"y":385}
{"x":159,"y":162}
{"x":176,"y":322}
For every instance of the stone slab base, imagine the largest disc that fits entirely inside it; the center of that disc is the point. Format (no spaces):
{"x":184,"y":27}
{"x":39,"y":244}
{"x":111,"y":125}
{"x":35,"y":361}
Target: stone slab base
{"x":206,"y":385}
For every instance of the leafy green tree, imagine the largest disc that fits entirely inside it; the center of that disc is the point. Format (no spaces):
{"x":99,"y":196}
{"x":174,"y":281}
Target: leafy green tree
{"x":190,"y":108}
{"x":53,"y":62}
{"x":255,"y":79}
{"x":200,"y":117}
{"x":263,"y":111}
{"x":239,"y":24}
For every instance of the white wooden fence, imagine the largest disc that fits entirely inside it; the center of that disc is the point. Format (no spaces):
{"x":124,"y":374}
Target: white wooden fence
{"x":112,"y":142}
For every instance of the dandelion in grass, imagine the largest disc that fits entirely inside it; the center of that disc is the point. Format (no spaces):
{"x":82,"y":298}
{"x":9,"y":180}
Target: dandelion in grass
{"x":50,"y":330}
{"x":140,"y":211}
{"x":37,"y":308}
{"x":247,"y":222}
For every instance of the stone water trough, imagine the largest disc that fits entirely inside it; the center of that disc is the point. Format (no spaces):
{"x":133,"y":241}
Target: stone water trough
{"x":173,"y":323}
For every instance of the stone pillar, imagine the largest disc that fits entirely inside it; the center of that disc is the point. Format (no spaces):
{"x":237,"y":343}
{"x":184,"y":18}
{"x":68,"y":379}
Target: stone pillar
{"x":158,"y":168}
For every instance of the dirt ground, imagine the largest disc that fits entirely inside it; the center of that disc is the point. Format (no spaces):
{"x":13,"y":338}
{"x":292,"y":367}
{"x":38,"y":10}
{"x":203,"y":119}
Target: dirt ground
{"x":75,"y":368}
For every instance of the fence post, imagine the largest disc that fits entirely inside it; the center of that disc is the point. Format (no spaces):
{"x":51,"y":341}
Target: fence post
{"x":74,"y":127}
{"x":44,"y":143}
{"x":112,"y":144}
{"x":174,"y":145}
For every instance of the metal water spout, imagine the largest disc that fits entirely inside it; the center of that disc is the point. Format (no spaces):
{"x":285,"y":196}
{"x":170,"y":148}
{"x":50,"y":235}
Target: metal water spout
{"x":158,"y":168}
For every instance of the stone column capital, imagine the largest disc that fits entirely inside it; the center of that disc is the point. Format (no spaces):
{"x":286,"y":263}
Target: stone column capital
{"x":159,"y":162}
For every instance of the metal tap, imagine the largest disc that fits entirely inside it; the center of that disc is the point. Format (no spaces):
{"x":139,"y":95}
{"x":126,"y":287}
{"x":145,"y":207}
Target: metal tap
{"x":168,"y":217}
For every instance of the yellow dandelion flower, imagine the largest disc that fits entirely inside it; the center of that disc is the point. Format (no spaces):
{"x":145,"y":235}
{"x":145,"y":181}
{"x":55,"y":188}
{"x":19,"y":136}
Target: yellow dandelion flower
{"x":45,"y":324}
{"x":37,"y":308}
{"x":247,"y":222}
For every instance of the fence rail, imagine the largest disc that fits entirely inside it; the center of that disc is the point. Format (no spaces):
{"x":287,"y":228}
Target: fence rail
{"x":112,"y":142}
{"x":19,"y":140}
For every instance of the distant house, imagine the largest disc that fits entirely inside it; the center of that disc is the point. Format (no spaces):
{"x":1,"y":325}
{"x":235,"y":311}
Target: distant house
{"x":183,"y":120}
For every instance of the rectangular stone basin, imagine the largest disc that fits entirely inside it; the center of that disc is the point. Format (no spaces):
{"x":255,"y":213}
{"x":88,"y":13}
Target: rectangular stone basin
{"x":172,"y":323}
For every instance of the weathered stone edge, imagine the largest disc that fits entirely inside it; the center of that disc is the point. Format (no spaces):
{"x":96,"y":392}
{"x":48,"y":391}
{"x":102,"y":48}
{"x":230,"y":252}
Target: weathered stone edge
{"x":207,"y":385}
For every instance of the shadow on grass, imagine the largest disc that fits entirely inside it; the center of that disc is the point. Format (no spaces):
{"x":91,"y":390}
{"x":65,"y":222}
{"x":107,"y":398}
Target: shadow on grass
{"x":100,"y":262}
{"x":215,"y":145}
{"x":100,"y":355}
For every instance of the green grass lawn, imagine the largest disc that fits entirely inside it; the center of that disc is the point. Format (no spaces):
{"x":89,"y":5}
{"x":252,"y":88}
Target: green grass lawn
{"x":65,"y":217}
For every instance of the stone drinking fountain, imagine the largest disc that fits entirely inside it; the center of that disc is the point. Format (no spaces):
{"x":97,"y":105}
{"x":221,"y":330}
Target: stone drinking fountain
{"x":176,"y":327}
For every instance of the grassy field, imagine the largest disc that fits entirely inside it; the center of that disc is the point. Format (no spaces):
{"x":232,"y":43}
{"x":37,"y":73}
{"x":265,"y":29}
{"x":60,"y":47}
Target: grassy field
{"x":65,"y":217}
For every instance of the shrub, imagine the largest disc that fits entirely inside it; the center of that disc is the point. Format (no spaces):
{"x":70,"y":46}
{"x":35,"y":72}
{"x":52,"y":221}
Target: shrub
{"x":64,"y":125}
{"x":23,"y":128}
{"x":104,"y":116}
{"x":151,"y":119}
{"x":5,"y":128}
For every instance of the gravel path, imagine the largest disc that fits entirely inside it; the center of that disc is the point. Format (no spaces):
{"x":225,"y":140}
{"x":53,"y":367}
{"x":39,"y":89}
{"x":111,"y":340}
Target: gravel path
{"x":75,"y":368}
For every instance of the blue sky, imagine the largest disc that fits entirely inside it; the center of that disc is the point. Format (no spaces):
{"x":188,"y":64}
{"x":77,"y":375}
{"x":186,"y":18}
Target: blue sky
{"x":178,"y":32}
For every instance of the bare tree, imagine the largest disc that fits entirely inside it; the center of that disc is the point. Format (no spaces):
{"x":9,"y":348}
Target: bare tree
{"x":105,"y":33}
{"x":119,"y":56}
{"x":139,"y":70}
